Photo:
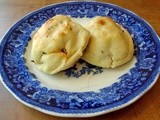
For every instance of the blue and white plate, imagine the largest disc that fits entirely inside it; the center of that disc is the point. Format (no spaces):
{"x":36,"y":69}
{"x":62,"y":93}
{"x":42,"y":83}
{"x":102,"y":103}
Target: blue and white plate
{"x":83,"y":90}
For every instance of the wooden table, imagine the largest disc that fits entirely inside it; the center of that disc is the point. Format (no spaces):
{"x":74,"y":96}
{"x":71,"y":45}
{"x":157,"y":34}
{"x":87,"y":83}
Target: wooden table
{"x":146,"y":108}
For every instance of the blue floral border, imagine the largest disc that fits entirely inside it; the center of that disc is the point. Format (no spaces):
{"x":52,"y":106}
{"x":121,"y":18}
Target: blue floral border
{"x":24,"y":85}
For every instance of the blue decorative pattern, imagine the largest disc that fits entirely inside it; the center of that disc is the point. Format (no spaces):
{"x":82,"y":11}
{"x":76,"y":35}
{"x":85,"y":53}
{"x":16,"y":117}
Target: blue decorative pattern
{"x":18,"y":79}
{"x":86,"y":68}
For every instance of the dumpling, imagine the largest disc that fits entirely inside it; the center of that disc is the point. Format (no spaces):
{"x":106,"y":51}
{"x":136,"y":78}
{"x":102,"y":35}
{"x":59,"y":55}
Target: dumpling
{"x":58,"y":44}
{"x":110,"y":44}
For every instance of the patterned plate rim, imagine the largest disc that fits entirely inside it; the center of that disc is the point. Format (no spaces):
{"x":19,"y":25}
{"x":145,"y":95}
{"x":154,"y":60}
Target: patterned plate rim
{"x":122,"y":104}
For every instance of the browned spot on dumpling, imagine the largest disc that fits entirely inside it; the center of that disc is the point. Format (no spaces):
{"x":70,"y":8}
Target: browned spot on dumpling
{"x":70,"y":28}
{"x":102,"y":51}
{"x":32,"y":61}
{"x":64,"y":50}
{"x":62,"y":34}
{"x":101,"y":22}
{"x":43,"y":52}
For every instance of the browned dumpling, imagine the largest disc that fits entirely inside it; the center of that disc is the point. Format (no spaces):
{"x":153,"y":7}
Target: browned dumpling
{"x":58,"y":44}
{"x":110,"y":44}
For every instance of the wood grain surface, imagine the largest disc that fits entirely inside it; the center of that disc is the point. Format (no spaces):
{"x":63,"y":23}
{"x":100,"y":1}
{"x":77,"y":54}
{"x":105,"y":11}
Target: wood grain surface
{"x":146,"y":108}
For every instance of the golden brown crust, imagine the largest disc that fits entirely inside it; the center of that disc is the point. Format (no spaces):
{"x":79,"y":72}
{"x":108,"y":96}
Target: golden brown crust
{"x":58,"y":44}
{"x":110,"y":44}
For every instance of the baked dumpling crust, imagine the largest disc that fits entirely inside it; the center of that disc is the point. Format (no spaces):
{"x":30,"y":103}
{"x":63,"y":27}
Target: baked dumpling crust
{"x":110,"y":44}
{"x":58,"y":44}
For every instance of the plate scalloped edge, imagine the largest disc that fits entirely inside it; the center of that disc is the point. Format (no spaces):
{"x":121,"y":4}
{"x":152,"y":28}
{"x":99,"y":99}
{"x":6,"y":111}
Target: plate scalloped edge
{"x":81,"y":114}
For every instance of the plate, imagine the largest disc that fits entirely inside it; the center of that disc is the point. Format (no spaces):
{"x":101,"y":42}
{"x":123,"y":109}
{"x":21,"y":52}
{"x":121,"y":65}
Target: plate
{"x":83,"y":90}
